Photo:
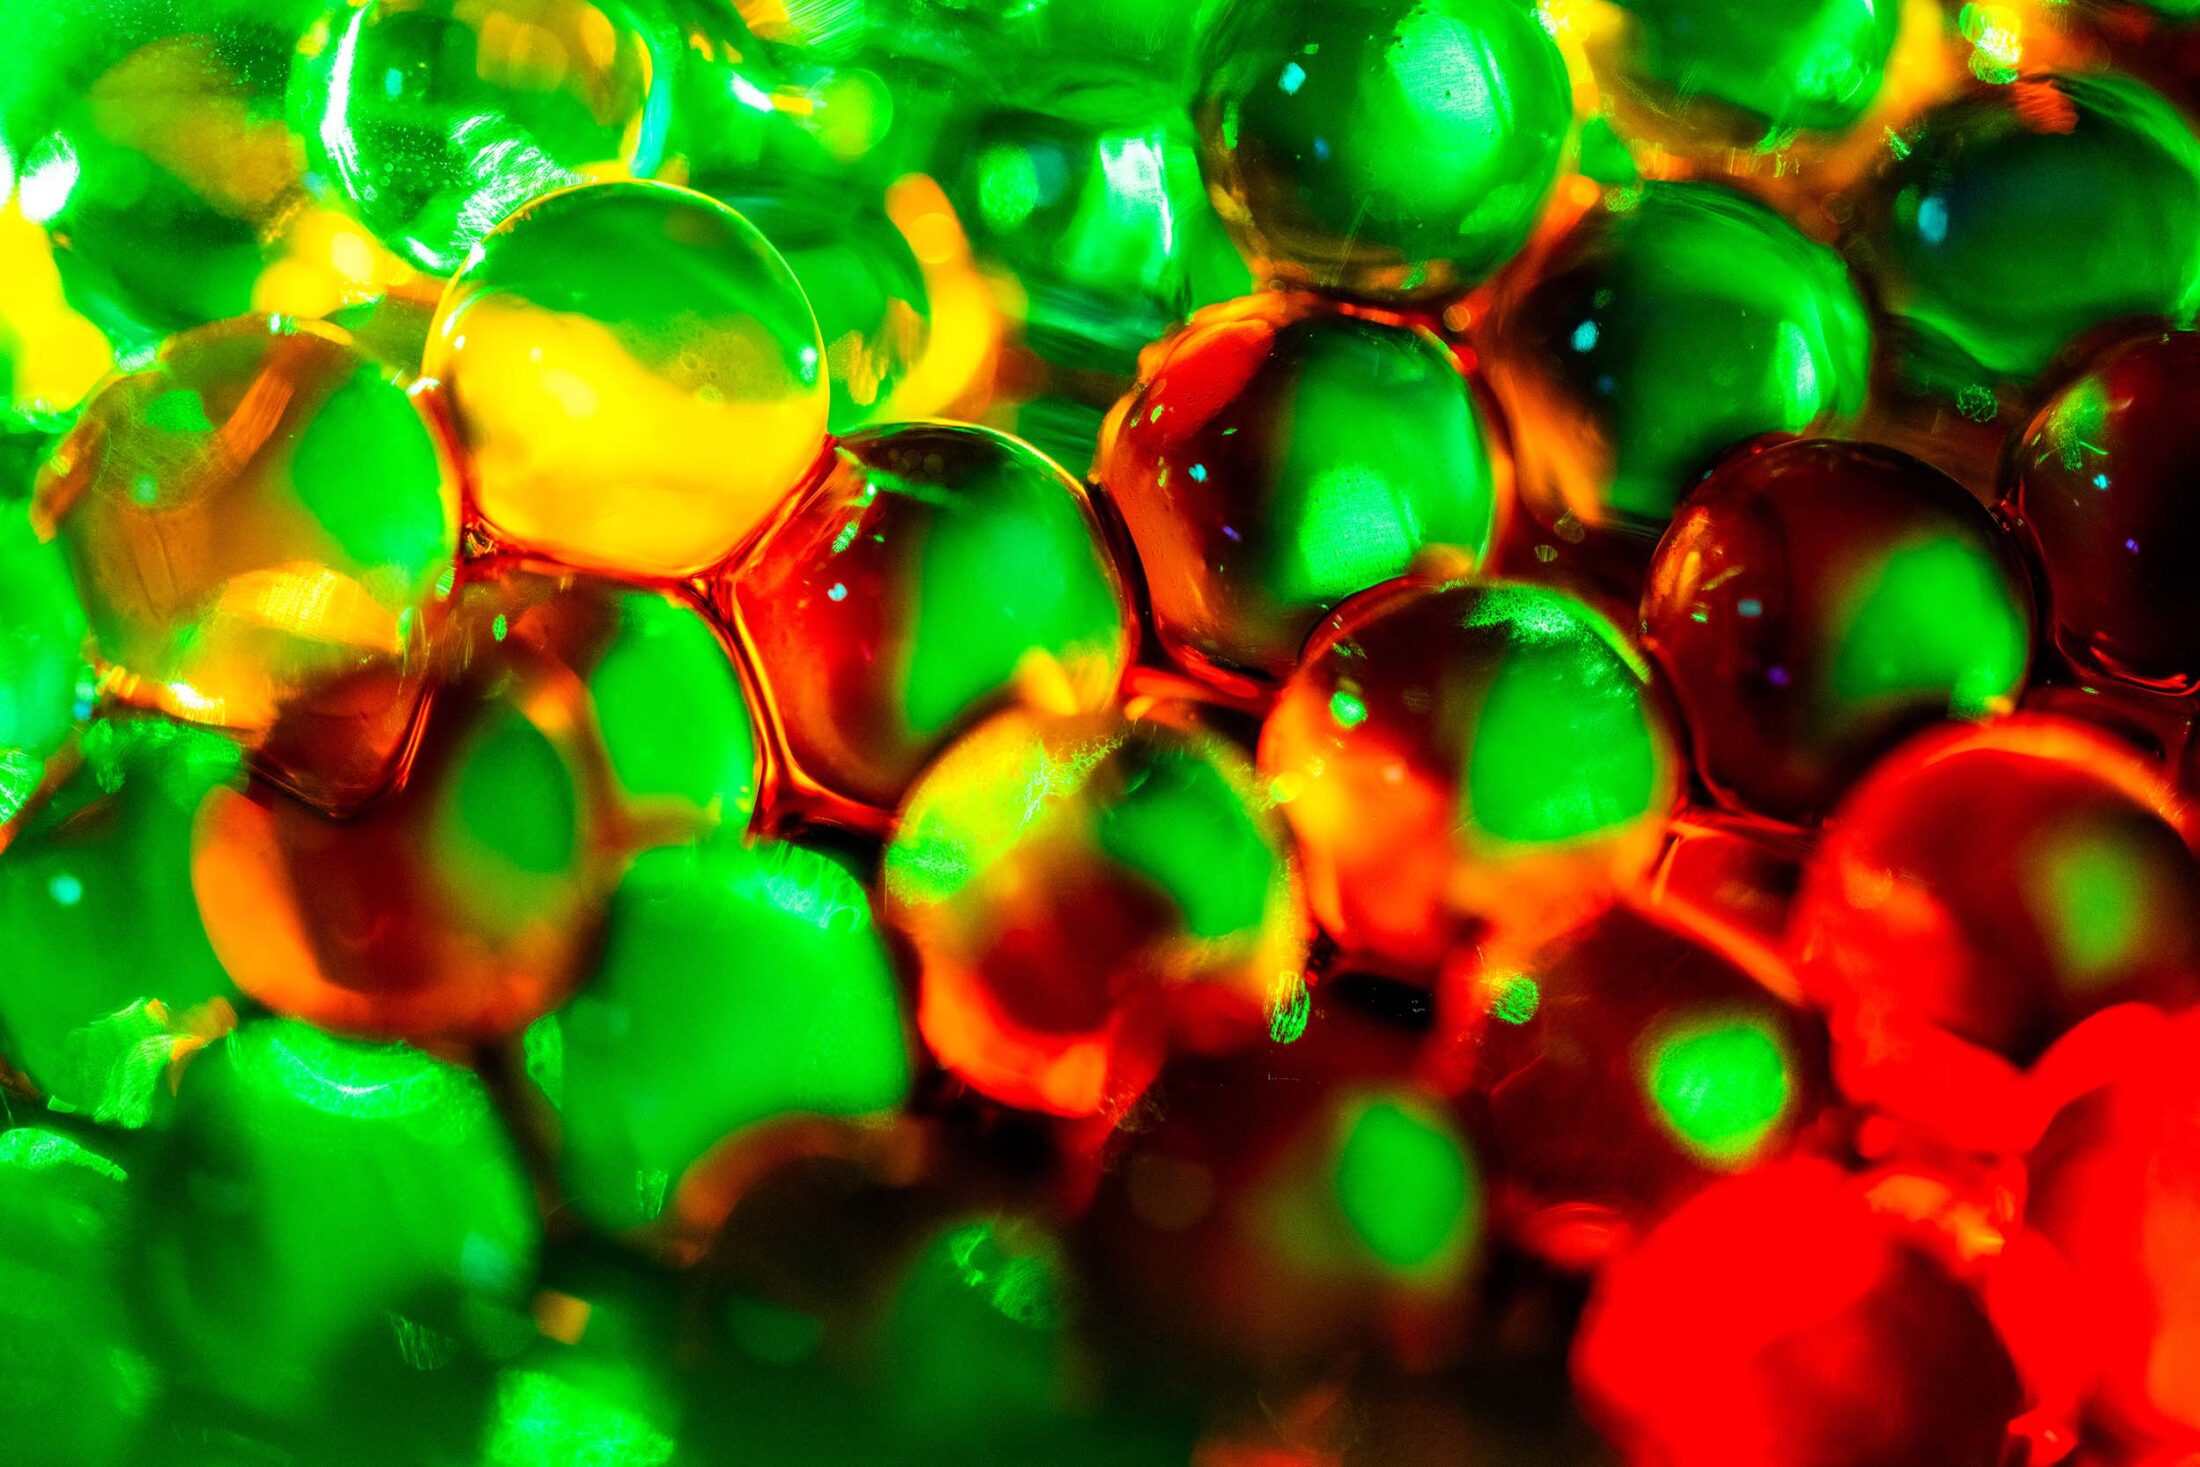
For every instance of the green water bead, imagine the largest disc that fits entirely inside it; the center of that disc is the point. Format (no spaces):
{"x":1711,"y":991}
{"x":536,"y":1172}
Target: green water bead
{"x":107,"y":958}
{"x":1673,"y":323}
{"x":331,"y":1221}
{"x":2012,"y":219}
{"x":44,"y":679}
{"x":1381,"y":147}
{"x":1811,"y":64}
{"x":435,"y":119}
{"x":737,"y":985}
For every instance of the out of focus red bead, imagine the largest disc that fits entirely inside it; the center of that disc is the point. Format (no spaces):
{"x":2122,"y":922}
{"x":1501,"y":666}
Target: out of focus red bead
{"x":1816,"y":602}
{"x":1777,"y":1319}
{"x":2101,"y":486}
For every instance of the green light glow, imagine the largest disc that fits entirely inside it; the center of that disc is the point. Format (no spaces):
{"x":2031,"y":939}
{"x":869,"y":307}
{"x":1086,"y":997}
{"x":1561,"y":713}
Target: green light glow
{"x":665,"y":656}
{"x":2094,"y":890}
{"x":1514,"y":999}
{"x":975,"y":1333}
{"x":1407,"y":1185}
{"x":1719,"y":1082}
{"x":1180,"y":822}
{"x":542,"y":1420}
{"x":365,"y":467}
{"x":1938,"y":614}
{"x":1347,"y":708}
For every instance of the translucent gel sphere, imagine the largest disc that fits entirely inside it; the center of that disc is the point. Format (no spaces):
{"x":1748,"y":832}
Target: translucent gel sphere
{"x":261,"y":512}
{"x":934,"y":574}
{"x":43,"y":676}
{"x":2013,"y":218}
{"x":1984,"y":890}
{"x":1389,"y":148}
{"x":1279,"y":455}
{"x":435,"y":119}
{"x":635,"y":374}
{"x":1815,"y":603}
{"x":1731,"y":65}
{"x":2099,"y":486}
{"x":1463,"y":761}
{"x":1082,"y":891}
{"x":1659,"y":335}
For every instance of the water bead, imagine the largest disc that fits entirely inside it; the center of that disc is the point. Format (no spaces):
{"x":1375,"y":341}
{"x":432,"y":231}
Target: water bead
{"x":259,"y":513}
{"x":1397,"y":149}
{"x":1659,"y":334}
{"x":1622,"y":1067}
{"x":934,"y":573}
{"x":1759,"y":69}
{"x":2013,"y":218}
{"x":1463,"y":761}
{"x":1777,"y":1309}
{"x":1814,"y":603}
{"x":2099,"y":487}
{"x":1083,"y":891}
{"x":434,"y":119}
{"x":1279,"y":455}
{"x":635,"y":374}
{"x":325,"y":1216}
{"x":110,"y":974}
{"x":43,"y":675}
{"x":738,"y":986}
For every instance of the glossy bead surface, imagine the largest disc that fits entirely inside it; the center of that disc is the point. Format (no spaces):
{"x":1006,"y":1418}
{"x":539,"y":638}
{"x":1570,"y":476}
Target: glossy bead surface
{"x":260,"y":513}
{"x":435,"y":119}
{"x":737,"y":986}
{"x":1279,"y":455}
{"x":636,"y":376}
{"x":1658,"y":336}
{"x":1777,"y":1310}
{"x":1809,"y":64}
{"x":2013,"y":218}
{"x":44,"y":680}
{"x":935,"y":573}
{"x":1361,"y":146}
{"x":1623,"y":1066}
{"x":1463,"y":761}
{"x":2099,"y":485}
{"x":1814,"y":603}
{"x":1082,"y":891}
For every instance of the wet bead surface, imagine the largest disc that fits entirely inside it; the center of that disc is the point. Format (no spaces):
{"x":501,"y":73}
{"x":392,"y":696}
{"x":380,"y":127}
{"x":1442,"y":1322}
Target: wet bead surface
{"x":261,"y":513}
{"x":641,"y":418}
{"x":1657,"y":337}
{"x":435,"y":119}
{"x":1082,"y":891}
{"x":2013,"y":218}
{"x":1464,"y":761}
{"x":1814,"y":603}
{"x":1359,"y":146}
{"x":1800,"y":64}
{"x":44,"y":679}
{"x":1278,"y":456}
{"x":934,"y":573}
{"x":2099,"y":486}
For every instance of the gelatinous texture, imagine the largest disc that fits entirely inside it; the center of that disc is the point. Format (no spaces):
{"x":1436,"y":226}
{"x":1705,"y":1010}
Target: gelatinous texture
{"x":1463,"y":761}
{"x":148,"y":139}
{"x":44,"y":680}
{"x":73,"y":1383}
{"x":1814,"y":603}
{"x":1661,"y":334}
{"x":259,"y":514}
{"x":2116,"y":1190}
{"x":1389,"y":148}
{"x":1081,"y":890}
{"x":461,"y":905}
{"x":1623,"y":1066}
{"x":1988,"y":888}
{"x":935,"y":573}
{"x":1811,"y":64}
{"x":2013,"y":218}
{"x":737,"y":986}
{"x":636,"y":375}
{"x":1279,"y":455}
{"x":109,"y":975}
{"x":2100,"y":487}
{"x":1777,"y":1318}
{"x":321,"y":1209}
{"x":435,"y":119}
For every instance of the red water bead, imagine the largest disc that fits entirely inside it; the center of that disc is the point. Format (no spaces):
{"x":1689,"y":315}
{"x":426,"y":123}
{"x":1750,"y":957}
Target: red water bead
{"x":2116,"y":1191}
{"x":1622,"y":1067}
{"x":2101,"y":486}
{"x":462,"y":904}
{"x":1814,"y":603}
{"x":1980,"y":893}
{"x":1466,"y":762}
{"x":1776,"y":1319}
